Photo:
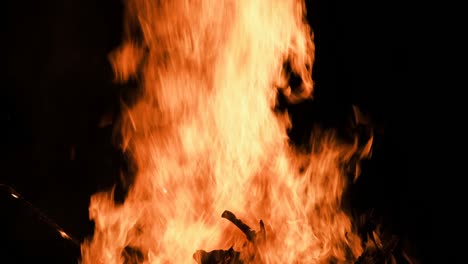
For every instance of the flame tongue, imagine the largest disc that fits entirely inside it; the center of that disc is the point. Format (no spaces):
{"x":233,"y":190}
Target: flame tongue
{"x":204,"y":139}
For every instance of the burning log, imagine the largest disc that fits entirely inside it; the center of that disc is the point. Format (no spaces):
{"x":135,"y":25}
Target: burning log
{"x":249,"y":233}
{"x":379,"y":249}
{"x":231,"y":256}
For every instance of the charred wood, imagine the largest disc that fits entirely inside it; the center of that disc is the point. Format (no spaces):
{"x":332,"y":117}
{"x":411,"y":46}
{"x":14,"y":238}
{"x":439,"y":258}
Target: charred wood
{"x":229,"y":256}
{"x":249,"y":233}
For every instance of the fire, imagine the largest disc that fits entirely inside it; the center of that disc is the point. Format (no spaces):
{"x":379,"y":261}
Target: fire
{"x":205,"y":139}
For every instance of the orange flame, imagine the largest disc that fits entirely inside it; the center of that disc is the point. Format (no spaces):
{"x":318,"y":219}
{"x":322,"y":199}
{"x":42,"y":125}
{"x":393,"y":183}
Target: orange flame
{"x":204,"y":138}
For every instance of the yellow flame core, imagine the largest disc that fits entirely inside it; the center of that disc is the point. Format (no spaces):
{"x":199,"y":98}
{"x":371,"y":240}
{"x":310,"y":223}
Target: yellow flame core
{"x":205,"y":139}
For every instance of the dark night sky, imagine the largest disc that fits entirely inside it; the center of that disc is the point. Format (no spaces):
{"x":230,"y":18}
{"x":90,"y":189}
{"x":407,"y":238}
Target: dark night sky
{"x":58,"y":86}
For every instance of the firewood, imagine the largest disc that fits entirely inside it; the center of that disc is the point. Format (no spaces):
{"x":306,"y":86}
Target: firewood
{"x":229,"y":256}
{"x":249,"y":233}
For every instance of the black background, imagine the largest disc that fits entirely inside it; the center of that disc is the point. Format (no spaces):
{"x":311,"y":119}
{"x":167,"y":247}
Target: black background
{"x":58,"y":86}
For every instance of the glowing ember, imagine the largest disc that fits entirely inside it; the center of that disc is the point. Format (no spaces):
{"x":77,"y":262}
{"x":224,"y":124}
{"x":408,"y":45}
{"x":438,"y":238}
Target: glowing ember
{"x":205,"y":139}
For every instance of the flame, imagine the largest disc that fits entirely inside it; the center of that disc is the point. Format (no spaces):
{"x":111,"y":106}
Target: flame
{"x":204,"y":138}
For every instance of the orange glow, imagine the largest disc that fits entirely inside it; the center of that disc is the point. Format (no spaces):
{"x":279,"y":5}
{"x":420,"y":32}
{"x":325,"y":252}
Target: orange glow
{"x":205,"y":139}
{"x":63,"y":234}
